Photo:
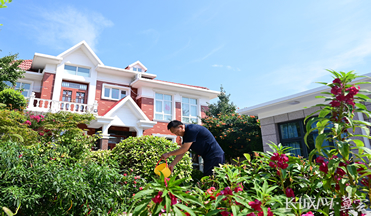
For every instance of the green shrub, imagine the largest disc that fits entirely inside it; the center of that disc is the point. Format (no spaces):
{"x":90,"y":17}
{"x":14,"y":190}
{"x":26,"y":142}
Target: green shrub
{"x":141,"y":154}
{"x":13,"y":99}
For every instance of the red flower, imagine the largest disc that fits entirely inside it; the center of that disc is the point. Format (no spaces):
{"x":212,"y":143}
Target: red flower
{"x":340,"y":172}
{"x":335,"y":103}
{"x":336,"y":90}
{"x":210,"y":190}
{"x":225,"y":213}
{"x":237,"y":189}
{"x":320,"y":159}
{"x":256,"y":205}
{"x":269,"y":213}
{"x":275,"y":157}
{"x":282,"y":165}
{"x":125,"y":174}
{"x":272,"y":164}
{"x":20,"y":155}
{"x":289,"y":192}
{"x":173,"y":199}
{"x":337,"y":80}
{"x":140,"y":188}
{"x":284,"y":158}
{"x":337,"y":187}
{"x":158,"y":198}
{"x":135,"y":182}
{"x":251,"y":214}
{"x":323,"y":168}
{"x":278,"y":172}
{"x":227,"y":191}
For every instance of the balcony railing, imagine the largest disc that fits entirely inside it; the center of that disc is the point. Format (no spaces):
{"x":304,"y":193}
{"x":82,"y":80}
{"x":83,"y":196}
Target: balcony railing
{"x":45,"y":105}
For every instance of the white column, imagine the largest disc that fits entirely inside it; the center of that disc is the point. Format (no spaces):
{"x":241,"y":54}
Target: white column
{"x":139,"y":131}
{"x":105,"y":130}
{"x":30,"y":100}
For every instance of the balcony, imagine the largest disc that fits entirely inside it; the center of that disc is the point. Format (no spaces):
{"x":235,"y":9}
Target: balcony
{"x":45,"y":105}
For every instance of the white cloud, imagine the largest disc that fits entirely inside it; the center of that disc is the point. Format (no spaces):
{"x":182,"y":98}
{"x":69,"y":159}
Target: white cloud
{"x":228,"y":67}
{"x":216,"y":65}
{"x":66,"y":26}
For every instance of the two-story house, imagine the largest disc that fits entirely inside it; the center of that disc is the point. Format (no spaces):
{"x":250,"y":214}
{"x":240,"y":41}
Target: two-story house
{"x":126,"y":101}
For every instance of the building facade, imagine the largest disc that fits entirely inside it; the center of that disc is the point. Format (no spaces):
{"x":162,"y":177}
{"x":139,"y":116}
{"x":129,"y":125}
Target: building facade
{"x":126,"y":101}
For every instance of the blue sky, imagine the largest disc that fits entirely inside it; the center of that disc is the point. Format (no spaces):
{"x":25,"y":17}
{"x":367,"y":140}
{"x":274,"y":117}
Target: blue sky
{"x":258,"y":50}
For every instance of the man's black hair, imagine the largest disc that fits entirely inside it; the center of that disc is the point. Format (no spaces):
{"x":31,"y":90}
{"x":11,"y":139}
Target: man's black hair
{"x":174,"y":124}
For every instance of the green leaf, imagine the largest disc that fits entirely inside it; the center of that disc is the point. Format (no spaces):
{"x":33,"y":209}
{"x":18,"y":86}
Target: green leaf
{"x":319,"y":141}
{"x":247,"y":156}
{"x":186,"y":208}
{"x":213,"y":212}
{"x":344,"y":149}
{"x":352,"y":170}
{"x":359,"y":143}
{"x":359,"y":83}
{"x":177,"y":211}
{"x":234,"y":210}
{"x":142,"y":193}
{"x":168,"y":203}
{"x":362,"y":106}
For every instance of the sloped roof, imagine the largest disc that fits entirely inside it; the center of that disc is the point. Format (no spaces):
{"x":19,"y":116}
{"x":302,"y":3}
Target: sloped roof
{"x":26,"y":64}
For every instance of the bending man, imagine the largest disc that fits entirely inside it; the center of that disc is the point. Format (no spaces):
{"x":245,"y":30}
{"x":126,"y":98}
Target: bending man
{"x":198,"y":139}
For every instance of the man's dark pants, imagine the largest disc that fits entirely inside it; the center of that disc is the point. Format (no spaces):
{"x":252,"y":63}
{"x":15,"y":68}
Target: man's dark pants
{"x":214,"y":162}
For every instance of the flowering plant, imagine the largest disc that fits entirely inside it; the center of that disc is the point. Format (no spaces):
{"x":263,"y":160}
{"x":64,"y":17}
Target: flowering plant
{"x":344,"y":165}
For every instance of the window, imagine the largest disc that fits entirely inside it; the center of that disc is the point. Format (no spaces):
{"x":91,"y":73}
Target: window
{"x":80,"y":71}
{"x":189,"y":110}
{"x":163,"y":107}
{"x":137,"y":69}
{"x":114,"y":93}
{"x":74,"y":85}
{"x":292,"y":135}
{"x":25,"y":87}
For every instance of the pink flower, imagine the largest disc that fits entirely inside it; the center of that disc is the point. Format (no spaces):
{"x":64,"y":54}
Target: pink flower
{"x":135,"y":177}
{"x":251,"y":214}
{"x":140,"y":188}
{"x":335,"y":103}
{"x":237,"y":189}
{"x":28,"y":122}
{"x":308,"y":214}
{"x":227,"y":191}
{"x":289,"y":192}
{"x":20,"y":155}
{"x":41,"y":134}
{"x":269,"y":213}
{"x":125,"y":174}
{"x":256,"y":205}
{"x":158,"y":198}
{"x":284,"y":158}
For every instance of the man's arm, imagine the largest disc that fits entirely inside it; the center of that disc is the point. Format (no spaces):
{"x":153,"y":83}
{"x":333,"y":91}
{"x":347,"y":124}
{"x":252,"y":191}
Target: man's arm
{"x":180,"y":151}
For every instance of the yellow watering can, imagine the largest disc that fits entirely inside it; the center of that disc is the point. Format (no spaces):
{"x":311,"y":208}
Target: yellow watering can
{"x":162,"y":168}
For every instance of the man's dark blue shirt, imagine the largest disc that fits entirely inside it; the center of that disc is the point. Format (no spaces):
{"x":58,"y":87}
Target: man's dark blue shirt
{"x":203,"y":141}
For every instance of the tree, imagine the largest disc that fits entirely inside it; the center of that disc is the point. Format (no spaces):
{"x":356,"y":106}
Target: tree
{"x":9,"y":71}
{"x":223,"y":106}
{"x":2,"y":4}
{"x":236,"y":134}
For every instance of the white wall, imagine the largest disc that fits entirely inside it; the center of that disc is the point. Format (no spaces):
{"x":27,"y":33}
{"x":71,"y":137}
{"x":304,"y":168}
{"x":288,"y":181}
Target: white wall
{"x":77,"y":58}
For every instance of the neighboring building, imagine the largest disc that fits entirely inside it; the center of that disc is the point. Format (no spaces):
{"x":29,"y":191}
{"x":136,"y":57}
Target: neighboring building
{"x":126,"y":101}
{"x":282,"y":120}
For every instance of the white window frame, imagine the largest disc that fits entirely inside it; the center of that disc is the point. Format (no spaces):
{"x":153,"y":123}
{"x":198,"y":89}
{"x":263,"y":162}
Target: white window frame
{"x":197,"y":106}
{"x":172,"y":106}
{"x":172,"y":137}
{"x":137,"y":68}
{"x":21,"y":81}
{"x":121,"y":88}
{"x":77,"y":68}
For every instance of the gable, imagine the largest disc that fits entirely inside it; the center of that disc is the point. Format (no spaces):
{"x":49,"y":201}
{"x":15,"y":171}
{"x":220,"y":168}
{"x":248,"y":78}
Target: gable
{"x":86,"y":50}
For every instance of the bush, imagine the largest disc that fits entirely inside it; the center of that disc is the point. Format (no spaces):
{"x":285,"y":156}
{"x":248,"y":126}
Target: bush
{"x":13,"y":99}
{"x":141,"y":154}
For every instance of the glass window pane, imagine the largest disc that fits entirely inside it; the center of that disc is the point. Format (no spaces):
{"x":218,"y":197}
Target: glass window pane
{"x":185,"y":120}
{"x":70,"y":69}
{"x":167,"y":97}
{"x":167,"y":117}
{"x":159,"y":96}
{"x":185,"y":109}
{"x":106,"y":92}
{"x":25,"y":93}
{"x":139,"y":69}
{"x":123,"y":94}
{"x":158,"y":106}
{"x":290,"y":130}
{"x":193,"y":111}
{"x":83,"y":72}
{"x":135,"y":69}
{"x":8,"y":83}
{"x":26,"y":86}
{"x":159,"y":117}
{"x":185,"y":100}
{"x":18,"y":85}
{"x":194,"y":120}
{"x":193,"y":101}
{"x":295,"y":148}
{"x":115,"y":93}
{"x":167,"y":107}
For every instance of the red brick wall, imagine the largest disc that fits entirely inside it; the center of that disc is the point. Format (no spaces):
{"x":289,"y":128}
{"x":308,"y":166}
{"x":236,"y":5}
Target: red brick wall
{"x":146,"y":105}
{"x":103,"y":104}
{"x":47,"y":86}
{"x":178,"y":111}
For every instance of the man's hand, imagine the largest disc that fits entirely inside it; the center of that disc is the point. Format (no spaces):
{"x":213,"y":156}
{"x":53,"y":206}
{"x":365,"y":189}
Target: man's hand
{"x":164,"y":156}
{"x":171,"y":167}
